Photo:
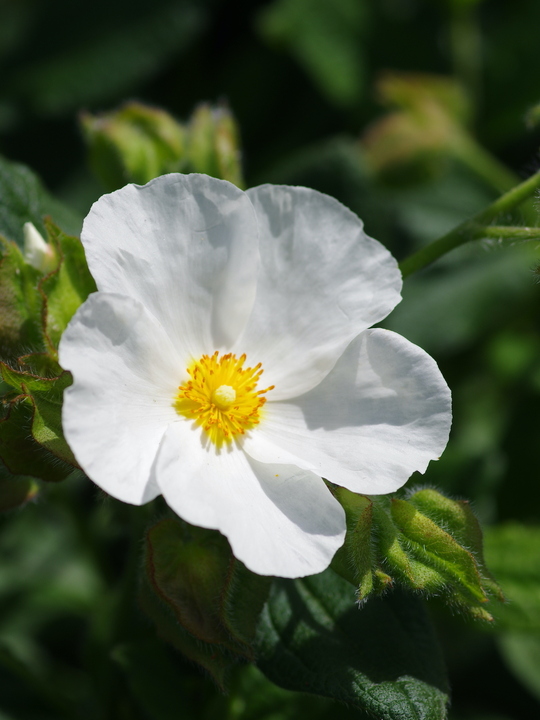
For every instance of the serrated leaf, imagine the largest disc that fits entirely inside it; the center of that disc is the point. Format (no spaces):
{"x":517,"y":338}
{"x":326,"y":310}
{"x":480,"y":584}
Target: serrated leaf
{"x":382,"y":659}
{"x":66,"y":288}
{"x":24,"y":199}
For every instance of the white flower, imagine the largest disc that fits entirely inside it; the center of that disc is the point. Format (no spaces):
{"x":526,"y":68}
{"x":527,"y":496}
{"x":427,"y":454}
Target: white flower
{"x":212,"y":301}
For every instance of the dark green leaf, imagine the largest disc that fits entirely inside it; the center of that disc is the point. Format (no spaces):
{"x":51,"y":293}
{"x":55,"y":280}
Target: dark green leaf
{"x":382,"y":658}
{"x":154,"y":679}
{"x":326,"y":38}
{"x":20,"y":452}
{"x":24,"y":199}
{"x":211,"y":658}
{"x":188,"y":567}
{"x":46,"y":395}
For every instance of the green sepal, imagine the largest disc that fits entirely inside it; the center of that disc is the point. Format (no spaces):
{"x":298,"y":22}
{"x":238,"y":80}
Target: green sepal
{"x":457,"y":515}
{"x":20,"y":303}
{"x":354,"y":560}
{"x":19,"y":450}
{"x":66,"y":288}
{"x":394,"y":549}
{"x":437,"y":549}
{"x":215,"y":601}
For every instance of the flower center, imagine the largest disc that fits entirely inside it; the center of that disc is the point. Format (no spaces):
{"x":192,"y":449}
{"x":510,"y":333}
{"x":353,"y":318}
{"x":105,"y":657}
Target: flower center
{"x":221,"y":396}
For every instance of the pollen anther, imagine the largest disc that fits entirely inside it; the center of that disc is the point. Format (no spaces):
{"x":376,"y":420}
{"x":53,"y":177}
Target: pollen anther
{"x":221,"y":396}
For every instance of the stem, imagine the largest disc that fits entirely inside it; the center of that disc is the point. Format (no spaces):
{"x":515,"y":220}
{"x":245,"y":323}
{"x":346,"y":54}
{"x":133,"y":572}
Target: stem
{"x":468,"y":230}
{"x":483,"y":164}
{"x":503,"y":232}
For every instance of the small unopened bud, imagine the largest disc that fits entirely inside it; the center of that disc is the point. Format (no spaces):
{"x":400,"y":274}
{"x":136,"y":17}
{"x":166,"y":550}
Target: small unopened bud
{"x":37,"y":252}
{"x":415,"y":140}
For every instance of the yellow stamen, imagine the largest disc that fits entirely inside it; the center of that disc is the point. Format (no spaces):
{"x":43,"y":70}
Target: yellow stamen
{"x":221,"y":396}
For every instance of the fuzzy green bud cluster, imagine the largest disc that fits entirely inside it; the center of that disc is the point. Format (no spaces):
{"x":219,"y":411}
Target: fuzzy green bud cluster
{"x":426,"y":542}
{"x":137,"y":143}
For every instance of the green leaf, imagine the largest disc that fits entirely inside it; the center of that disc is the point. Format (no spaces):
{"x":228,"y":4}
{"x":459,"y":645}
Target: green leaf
{"x":188,"y":567}
{"x":211,"y":658}
{"x":382,"y":659}
{"x":512,"y":551}
{"x":24,"y":199}
{"x":112,"y":59}
{"x":326,"y":38}
{"x":46,"y":394}
{"x":66,"y":288}
{"x":522,"y":654}
{"x":20,"y":304}
{"x":19,"y":450}
{"x":242,"y":600}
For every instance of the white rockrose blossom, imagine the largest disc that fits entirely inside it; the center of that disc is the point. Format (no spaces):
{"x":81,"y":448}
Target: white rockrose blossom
{"x":226,"y":363}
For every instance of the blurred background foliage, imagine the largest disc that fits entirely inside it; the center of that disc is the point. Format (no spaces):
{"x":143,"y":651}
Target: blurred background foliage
{"x":415,"y":114}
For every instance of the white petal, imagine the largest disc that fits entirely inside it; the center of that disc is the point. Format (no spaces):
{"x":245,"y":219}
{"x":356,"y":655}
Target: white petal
{"x":381,"y":413}
{"x":126,"y":374}
{"x":186,"y":247}
{"x":278,"y":519}
{"x":322,"y":282}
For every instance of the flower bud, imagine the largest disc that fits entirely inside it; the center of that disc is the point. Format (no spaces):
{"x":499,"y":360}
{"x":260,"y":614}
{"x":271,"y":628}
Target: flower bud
{"x":213,"y":146}
{"x":133,"y":144}
{"x":416,"y":140}
{"x":37,"y":252}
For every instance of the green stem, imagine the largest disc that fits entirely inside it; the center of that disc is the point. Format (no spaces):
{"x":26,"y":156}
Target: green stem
{"x":504,"y":232}
{"x":468,"y":230}
{"x":483,"y":164}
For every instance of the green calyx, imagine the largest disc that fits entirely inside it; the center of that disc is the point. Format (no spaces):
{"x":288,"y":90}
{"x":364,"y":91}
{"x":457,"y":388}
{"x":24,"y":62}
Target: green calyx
{"x":426,"y":542}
